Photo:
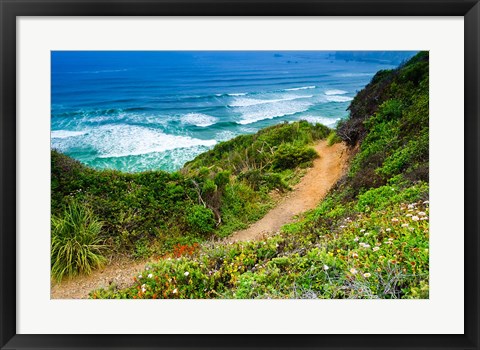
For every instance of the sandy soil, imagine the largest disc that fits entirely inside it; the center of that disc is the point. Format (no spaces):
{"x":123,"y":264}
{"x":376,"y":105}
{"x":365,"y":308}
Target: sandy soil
{"x":119,"y":272}
{"x":306,"y":195}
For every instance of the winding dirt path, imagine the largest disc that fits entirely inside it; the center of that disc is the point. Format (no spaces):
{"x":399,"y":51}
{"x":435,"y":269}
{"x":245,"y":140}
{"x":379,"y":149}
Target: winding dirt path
{"x":119,"y":272}
{"x":306,"y":195}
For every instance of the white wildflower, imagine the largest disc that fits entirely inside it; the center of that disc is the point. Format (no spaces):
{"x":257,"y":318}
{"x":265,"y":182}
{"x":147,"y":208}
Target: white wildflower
{"x":186,"y":273}
{"x":421,"y":213}
{"x":362,"y":230}
{"x":367,"y":274}
{"x":140,"y":276}
{"x":150,"y":275}
{"x":426,"y":202}
{"x":415,"y":218}
{"x":375,"y":249}
{"x":411,"y":206}
{"x":325,"y":267}
{"x":404,"y":225}
{"x":394,"y":220}
{"x":353,"y":271}
{"x":175,"y":291}
{"x":408,"y":215}
{"x":355,"y":239}
{"x":354,"y":255}
{"x":388,"y":229}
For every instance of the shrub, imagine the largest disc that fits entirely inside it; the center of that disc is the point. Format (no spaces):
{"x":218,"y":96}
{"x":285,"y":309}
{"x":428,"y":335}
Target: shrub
{"x":76,"y":245}
{"x":201,"y":219}
{"x":256,"y":179}
{"x":209,"y":186}
{"x":333,"y":138}
{"x":290,"y":156}
{"x":142,"y":249}
{"x":391,"y":109}
{"x":222,"y":178}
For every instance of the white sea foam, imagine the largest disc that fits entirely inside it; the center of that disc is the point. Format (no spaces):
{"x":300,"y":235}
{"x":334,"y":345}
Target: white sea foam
{"x":237,"y":94}
{"x":301,"y":88}
{"x":336,"y":98}
{"x":198,"y":119}
{"x":246,"y":102}
{"x":170,"y":161}
{"x":255,"y":113}
{"x":63,"y":134}
{"x":225,"y":135}
{"x":127,"y":140}
{"x":335,"y":92}
{"x":322,"y":120}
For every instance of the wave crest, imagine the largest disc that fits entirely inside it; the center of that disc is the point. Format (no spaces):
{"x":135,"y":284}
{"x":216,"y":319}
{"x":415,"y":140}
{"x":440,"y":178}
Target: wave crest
{"x":335,"y":92}
{"x":247,"y":102}
{"x":127,"y":140}
{"x":198,"y":119}
{"x":301,"y":88}
{"x":63,"y":134}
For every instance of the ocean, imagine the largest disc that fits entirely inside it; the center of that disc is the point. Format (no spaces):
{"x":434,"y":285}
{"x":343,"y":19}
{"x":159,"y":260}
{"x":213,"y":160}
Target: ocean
{"x":136,"y":111}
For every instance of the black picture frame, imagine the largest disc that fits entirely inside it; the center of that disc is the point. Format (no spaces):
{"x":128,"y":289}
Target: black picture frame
{"x":10,"y":10}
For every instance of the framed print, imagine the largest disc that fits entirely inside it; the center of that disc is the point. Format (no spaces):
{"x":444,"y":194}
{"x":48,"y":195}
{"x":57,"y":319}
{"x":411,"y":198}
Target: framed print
{"x":223,"y":174}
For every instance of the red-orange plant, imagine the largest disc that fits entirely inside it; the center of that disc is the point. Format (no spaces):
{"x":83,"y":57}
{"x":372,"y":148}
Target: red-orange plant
{"x":184,"y":249}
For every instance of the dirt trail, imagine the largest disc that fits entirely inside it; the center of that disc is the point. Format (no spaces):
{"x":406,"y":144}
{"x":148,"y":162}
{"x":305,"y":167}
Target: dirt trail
{"x":119,"y":272}
{"x":306,"y":194}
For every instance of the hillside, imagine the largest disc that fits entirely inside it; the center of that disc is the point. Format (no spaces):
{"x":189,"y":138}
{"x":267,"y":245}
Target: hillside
{"x":156,"y":213}
{"x":368,"y":239}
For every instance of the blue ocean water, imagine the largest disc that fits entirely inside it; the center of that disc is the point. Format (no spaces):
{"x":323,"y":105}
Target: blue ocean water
{"x":137,"y":111}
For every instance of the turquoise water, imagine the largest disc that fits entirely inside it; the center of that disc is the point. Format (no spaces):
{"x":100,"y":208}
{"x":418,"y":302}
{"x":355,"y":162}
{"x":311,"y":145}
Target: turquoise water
{"x":137,"y":111}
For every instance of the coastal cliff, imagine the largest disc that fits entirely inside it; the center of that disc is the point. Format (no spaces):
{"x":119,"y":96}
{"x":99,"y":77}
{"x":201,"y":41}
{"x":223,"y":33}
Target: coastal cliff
{"x":368,"y":238}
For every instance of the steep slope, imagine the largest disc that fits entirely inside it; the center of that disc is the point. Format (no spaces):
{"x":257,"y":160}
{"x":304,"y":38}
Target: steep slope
{"x":326,"y":171}
{"x":369,"y":238}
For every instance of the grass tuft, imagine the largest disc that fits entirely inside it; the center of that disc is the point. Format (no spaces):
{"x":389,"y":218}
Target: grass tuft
{"x":76,"y":247}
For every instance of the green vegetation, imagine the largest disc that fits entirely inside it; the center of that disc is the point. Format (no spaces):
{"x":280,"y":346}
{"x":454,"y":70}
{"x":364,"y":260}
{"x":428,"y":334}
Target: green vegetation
{"x":76,"y":243}
{"x":217,"y":193}
{"x":333,"y":138}
{"x":374,"y":255}
{"x":368,"y":239}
